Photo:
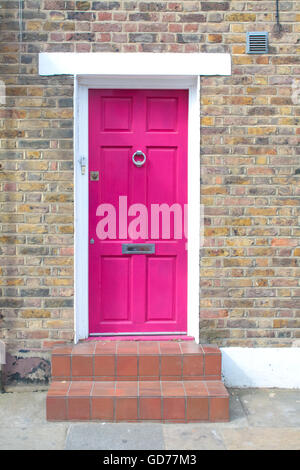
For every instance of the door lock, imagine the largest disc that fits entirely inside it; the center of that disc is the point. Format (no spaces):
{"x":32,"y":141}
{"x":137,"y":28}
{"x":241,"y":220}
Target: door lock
{"x":94,"y":175}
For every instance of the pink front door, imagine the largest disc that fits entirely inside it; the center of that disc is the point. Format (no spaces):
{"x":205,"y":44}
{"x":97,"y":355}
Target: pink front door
{"x":137,"y":289}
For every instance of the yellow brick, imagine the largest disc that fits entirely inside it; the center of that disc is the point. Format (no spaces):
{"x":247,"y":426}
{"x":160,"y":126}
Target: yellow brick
{"x":261,"y":130}
{"x":238,"y":49}
{"x":262,"y":150}
{"x":11,"y":176}
{"x":232,"y":262}
{"x":280,"y":323}
{"x":207,"y":121}
{"x":261,"y":80}
{"x":215,"y":38}
{"x":216,"y":231}
{"x":30,"y":102}
{"x":284,"y":292}
{"x":66,"y":229}
{"x":56,"y":324}
{"x":237,"y":241}
{"x":262,"y":211}
{"x":261,"y":160}
{"x":206,"y":303}
{"x":209,"y":272}
{"x":239,"y":100}
{"x":34,"y":165}
{"x":33,"y":154}
{"x":237,"y":28}
{"x":261,"y":282}
{"x":208,"y":262}
{"x":286,"y":110}
{"x":58,"y":282}
{"x":35,"y":91}
{"x":31,"y":187}
{"x":284,"y":69}
{"x":237,"y":252}
{"x":58,"y":261}
{"x":207,"y":201}
{"x":287,"y":121}
{"x":33,"y":25}
{"x":262,"y":60}
{"x":34,"y":113}
{"x":242,"y":60}
{"x":236,"y":333}
{"x":35,"y":313}
{"x":214,"y":190}
{"x":236,"y":293}
{"x":15,"y":282}
{"x":217,"y":252}
{"x":32,"y":228}
{"x":58,"y":113}
{"x":240,"y":17}
{"x":235,"y":38}
{"x":261,"y":100}
{"x":239,"y":221}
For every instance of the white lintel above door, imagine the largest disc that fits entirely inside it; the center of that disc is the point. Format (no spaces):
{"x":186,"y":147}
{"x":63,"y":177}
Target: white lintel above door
{"x":140,"y":63}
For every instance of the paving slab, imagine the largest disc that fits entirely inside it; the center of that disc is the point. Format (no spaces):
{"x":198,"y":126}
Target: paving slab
{"x":192,"y":437}
{"x":258,"y":438}
{"x":271,"y":407}
{"x":23,"y":408}
{"x":115,"y":436}
{"x":35,"y":437}
{"x":23,"y":424}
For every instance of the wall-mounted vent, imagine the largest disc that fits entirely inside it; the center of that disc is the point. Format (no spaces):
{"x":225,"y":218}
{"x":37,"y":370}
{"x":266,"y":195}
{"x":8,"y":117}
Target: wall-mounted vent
{"x":257,"y":43}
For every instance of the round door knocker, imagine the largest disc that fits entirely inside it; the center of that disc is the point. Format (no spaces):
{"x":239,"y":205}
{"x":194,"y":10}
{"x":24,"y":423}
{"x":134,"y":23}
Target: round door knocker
{"x":139,"y":163}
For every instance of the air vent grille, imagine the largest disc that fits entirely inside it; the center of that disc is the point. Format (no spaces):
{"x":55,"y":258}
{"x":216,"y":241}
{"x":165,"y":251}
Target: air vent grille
{"x":257,"y":43}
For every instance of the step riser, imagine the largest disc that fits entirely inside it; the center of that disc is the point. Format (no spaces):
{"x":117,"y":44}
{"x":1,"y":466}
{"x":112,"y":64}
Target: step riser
{"x":180,"y":409}
{"x":133,"y":410}
{"x":102,"y":368}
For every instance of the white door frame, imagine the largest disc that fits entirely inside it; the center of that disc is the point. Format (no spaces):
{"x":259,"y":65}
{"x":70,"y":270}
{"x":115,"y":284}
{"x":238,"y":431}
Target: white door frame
{"x":143,"y":71}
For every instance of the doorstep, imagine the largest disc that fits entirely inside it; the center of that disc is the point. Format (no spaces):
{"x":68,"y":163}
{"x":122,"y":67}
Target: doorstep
{"x":120,"y":381}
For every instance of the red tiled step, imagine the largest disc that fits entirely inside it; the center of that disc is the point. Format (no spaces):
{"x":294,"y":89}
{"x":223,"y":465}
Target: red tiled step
{"x":160,"y":401}
{"x":130,"y":360}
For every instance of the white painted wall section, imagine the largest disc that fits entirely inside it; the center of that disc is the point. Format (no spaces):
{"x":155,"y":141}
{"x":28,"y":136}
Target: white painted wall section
{"x":261,"y":367}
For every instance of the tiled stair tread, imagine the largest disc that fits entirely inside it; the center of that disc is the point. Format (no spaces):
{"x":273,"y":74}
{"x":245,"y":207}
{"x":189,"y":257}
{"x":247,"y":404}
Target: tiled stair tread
{"x":180,"y":401}
{"x":182,"y":388}
{"x":144,"y":348}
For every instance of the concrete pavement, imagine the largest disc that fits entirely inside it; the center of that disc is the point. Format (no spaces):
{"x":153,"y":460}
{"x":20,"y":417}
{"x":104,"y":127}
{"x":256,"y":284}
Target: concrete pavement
{"x":260,"y":419}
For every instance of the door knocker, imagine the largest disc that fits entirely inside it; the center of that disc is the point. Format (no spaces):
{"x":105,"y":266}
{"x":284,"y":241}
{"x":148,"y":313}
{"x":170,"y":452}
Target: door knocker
{"x":139,"y":163}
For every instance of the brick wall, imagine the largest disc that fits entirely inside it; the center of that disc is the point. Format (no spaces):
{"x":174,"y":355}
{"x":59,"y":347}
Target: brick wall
{"x":249,"y":157}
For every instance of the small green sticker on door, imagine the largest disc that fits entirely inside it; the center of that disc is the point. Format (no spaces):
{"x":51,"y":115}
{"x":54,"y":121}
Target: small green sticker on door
{"x":94,"y":175}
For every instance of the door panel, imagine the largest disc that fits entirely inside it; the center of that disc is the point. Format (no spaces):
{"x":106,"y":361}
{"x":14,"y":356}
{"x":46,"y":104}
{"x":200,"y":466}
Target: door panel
{"x":114,"y":292}
{"x":138,"y":293}
{"x":161,"y":275}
